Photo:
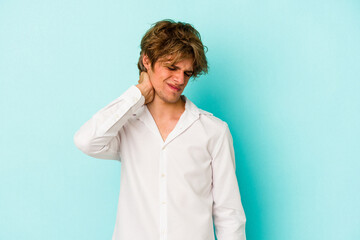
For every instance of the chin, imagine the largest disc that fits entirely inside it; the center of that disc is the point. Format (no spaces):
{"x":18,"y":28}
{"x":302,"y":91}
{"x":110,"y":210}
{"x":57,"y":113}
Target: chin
{"x":173,"y":100}
{"x":170,"y":99}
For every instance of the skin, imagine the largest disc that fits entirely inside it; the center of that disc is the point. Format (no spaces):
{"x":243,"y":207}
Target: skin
{"x":163,"y":102}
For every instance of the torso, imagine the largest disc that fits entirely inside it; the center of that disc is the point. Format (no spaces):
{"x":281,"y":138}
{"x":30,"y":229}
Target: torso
{"x":165,"y":127}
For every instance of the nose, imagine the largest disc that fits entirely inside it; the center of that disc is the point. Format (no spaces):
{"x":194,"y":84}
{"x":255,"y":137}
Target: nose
{"x":179,"y":78}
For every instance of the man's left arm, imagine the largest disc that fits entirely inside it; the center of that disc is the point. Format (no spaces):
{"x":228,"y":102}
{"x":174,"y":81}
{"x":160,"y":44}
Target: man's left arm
{"x":228,"y":212}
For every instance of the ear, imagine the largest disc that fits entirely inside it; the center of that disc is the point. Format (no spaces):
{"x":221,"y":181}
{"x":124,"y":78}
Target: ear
{"x":146,"y":62}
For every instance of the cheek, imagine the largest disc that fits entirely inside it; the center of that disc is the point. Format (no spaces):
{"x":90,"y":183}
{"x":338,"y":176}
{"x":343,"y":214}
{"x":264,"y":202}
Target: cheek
{"x":157,"y":82}
{"x":159,"y":79}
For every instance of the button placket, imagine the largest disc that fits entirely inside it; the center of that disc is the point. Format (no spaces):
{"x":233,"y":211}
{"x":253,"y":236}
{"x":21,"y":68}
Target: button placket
{"x":162,"y":191}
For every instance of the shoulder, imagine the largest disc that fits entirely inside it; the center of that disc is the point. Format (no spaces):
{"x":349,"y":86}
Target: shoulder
{"x":215,"y":129}
{"x":212,"y":122}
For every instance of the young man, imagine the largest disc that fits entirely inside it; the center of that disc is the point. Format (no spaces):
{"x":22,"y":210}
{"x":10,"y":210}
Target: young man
{"x":177,"y":161}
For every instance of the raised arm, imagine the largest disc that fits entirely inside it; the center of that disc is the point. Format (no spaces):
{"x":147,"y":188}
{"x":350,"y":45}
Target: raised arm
{"x":99,"y":136}
{"x":228,"y":212}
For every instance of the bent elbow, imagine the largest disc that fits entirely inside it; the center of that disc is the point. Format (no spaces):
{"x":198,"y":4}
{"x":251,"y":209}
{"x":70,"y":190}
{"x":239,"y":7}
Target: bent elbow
{"x":84,"y":144}
{"x":80,"y":142}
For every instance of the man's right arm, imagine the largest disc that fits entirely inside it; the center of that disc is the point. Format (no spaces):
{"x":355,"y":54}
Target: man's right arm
{"x":99,"y":136}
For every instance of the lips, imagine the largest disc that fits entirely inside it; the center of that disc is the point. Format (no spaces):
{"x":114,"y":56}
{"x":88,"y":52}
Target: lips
{"x":173,"y":87}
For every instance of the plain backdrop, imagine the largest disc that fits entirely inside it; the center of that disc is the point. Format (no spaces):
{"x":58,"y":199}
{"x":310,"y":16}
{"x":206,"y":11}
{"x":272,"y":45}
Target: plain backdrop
{"x":285,"y":75}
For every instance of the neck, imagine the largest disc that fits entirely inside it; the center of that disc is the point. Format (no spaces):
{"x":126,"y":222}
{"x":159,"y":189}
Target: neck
{"x":164,"y":110}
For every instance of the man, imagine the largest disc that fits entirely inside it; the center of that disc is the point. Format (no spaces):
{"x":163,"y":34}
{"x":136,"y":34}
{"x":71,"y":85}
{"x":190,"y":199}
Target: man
{"x":177,"y":161}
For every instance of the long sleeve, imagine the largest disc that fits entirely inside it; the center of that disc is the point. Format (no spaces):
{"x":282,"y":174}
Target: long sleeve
{"x":99,"y":136}
{"x":228,"y":212}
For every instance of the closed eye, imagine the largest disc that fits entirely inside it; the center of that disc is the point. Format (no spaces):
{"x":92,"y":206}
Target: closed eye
{"x":173,"y":69}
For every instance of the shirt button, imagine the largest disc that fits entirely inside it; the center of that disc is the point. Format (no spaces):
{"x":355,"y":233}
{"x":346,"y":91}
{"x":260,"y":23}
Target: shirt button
{"x":117,"y":116}
{"x":162,"y":175}
{"x":163,"y":202}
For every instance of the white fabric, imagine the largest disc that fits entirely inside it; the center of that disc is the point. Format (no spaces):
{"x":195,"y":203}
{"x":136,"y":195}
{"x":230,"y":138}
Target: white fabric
{"x":170,"y":190}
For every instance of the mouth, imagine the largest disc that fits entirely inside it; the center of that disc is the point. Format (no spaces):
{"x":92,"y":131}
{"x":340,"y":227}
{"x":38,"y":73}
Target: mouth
{"x":174,"y":88}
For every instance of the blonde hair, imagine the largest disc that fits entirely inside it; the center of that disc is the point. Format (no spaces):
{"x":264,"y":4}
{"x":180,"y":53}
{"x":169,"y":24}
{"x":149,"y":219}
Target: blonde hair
{"x":174,"y":41}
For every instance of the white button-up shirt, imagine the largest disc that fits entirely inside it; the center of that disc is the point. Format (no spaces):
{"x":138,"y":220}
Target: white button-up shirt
{"x":173,"y":189}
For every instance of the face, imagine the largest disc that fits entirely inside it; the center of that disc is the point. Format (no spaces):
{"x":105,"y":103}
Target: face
{"x":169,"y":81}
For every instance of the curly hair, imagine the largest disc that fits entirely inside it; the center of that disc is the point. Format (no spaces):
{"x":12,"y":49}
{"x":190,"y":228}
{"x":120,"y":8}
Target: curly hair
{"x":173,"y":41}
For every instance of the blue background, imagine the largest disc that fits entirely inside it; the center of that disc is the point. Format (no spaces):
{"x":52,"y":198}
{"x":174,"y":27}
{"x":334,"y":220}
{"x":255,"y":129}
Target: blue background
{"x":285,"y":75}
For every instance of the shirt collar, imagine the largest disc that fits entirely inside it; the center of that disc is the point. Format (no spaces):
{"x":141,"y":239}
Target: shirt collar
{"x":188,"y":117}
{"x":189,"y":106}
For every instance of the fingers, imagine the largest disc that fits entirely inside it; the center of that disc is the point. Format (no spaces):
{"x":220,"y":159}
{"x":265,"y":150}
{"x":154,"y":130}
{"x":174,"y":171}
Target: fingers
{"x":146,"y":87}
{"x":144,"y":77}
{"x":141,"y":77}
